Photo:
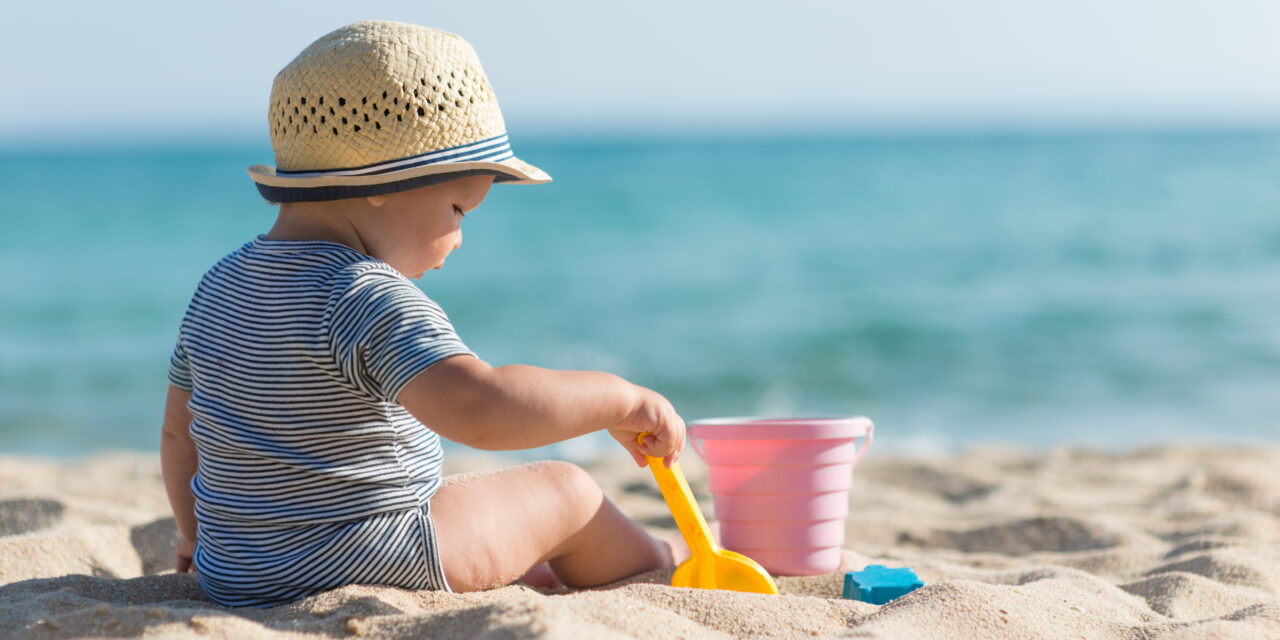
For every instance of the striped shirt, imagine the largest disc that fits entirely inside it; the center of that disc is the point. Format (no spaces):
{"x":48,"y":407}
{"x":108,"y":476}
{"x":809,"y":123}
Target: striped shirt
{"x":295,"y":353}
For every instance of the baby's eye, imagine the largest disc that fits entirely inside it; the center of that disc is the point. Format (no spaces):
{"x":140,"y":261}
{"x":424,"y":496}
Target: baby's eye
{"x":458,"y":210}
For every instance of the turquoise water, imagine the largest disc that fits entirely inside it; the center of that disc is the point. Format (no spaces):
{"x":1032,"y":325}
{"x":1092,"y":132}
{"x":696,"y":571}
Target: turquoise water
{"x":1105,"y":289}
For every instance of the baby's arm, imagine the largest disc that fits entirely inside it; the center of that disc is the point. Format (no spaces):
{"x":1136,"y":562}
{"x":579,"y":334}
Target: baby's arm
{"x":520,"y":407}
{"x":178,"y":464}
{"x":493,"y":528}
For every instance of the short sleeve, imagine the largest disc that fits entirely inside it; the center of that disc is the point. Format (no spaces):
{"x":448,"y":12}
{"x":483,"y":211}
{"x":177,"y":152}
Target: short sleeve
{"x":180,"y":368}
{"x":385,"y":331}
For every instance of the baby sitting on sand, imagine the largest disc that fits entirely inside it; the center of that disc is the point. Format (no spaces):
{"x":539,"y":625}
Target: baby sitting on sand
{"x":311,"y":381}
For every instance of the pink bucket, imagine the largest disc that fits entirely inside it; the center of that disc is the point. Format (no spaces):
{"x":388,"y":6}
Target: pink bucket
{"x":781,"y":486}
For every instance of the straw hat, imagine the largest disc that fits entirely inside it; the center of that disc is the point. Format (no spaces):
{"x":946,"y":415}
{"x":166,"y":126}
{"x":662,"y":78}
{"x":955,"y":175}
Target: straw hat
{"x":377,"y":107}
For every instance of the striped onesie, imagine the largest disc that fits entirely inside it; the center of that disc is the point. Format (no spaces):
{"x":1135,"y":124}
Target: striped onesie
{"x":310,"y":475}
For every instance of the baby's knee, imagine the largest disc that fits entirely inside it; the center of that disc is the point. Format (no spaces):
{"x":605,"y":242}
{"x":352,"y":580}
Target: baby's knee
{"x":571,"y":482}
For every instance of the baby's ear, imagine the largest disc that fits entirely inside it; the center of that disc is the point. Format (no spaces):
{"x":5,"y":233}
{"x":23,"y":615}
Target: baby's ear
{"x":376,"y":201}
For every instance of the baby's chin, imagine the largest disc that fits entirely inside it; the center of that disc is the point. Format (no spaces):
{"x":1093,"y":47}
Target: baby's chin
{"x":423,"y":273}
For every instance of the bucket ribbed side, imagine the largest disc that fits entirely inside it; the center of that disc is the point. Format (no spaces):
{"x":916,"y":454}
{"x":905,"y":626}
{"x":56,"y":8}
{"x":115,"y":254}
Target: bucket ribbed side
{"x":781,"y":487}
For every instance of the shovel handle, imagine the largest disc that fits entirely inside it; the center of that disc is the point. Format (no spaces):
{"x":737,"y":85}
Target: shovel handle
{"x":688,"y":517}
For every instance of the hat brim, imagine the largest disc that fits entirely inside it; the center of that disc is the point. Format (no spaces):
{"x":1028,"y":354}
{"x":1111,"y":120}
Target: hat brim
{"x":275,"y":187}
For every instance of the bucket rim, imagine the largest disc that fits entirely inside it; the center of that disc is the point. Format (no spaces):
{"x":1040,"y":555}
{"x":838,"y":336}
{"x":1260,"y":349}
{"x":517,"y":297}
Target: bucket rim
{"x":820,"y":427}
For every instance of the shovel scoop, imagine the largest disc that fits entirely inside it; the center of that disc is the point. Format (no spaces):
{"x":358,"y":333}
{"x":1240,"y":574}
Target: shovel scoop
{"x":709,"y":566}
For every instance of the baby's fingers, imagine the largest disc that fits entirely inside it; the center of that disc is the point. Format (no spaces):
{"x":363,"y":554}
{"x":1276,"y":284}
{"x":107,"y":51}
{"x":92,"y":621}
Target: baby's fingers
{"x":631,"y":444}
{"x":638,"y":456}
{"x":650,"y":445}
{"x":669,"y":438}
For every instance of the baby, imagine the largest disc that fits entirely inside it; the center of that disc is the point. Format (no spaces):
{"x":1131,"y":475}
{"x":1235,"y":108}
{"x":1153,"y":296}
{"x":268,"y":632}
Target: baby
{"x":311,"y":381}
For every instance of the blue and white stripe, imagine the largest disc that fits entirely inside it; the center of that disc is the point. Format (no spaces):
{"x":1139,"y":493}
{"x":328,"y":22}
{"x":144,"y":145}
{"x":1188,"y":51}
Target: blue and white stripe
{"x":310,"y":475}
{"x":490,"y":150}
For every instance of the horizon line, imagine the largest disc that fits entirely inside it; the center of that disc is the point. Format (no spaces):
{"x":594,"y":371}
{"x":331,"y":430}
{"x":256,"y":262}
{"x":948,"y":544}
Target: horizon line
{"x":540,"y":133}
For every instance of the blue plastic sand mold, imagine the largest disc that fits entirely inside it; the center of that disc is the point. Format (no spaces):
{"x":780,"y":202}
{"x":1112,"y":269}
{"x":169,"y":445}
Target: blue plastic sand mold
{"x":879,"y":584}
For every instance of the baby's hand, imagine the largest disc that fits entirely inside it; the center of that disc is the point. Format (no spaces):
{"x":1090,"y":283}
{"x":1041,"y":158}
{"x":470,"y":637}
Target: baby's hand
{"x":182,"y":560}
{"x":654,"y":415}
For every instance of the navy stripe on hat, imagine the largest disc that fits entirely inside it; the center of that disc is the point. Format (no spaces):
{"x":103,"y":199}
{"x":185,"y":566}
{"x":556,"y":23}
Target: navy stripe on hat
{"x":339,"y":192}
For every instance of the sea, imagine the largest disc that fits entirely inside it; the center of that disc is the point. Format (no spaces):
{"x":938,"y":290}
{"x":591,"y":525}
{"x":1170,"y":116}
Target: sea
{"x":1035,"y":289}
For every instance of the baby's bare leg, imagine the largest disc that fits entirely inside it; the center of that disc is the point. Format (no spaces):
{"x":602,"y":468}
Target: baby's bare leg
{"x":492,"y":528}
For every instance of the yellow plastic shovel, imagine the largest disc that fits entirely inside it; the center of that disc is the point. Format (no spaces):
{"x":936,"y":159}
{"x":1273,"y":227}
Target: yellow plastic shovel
{"x":710,"y":567}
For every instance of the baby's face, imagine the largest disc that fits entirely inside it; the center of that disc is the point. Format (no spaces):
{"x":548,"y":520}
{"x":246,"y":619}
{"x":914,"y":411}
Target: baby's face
{"x":426,"y":223}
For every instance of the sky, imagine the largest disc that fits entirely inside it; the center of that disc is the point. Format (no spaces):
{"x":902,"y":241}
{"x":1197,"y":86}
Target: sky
{"x":140,"y":70}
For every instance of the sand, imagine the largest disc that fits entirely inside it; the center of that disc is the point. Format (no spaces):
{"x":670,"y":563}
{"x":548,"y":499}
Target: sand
{"x":1152,"y":544}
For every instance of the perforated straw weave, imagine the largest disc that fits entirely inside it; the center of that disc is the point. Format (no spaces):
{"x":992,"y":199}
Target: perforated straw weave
{"x":379,"y":106}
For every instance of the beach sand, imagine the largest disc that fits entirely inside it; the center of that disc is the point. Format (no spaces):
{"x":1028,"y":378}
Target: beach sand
{"x":1158,"y":543}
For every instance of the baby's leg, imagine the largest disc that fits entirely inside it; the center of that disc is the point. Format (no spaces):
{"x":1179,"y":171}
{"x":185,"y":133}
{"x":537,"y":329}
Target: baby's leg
{"x":492,"y":528}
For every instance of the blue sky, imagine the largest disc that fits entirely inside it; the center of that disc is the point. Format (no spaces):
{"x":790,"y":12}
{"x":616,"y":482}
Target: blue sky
{"x":97,"y":70}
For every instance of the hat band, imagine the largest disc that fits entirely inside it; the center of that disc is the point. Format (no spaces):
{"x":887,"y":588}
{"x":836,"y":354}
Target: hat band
{"x":489,"y":150}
